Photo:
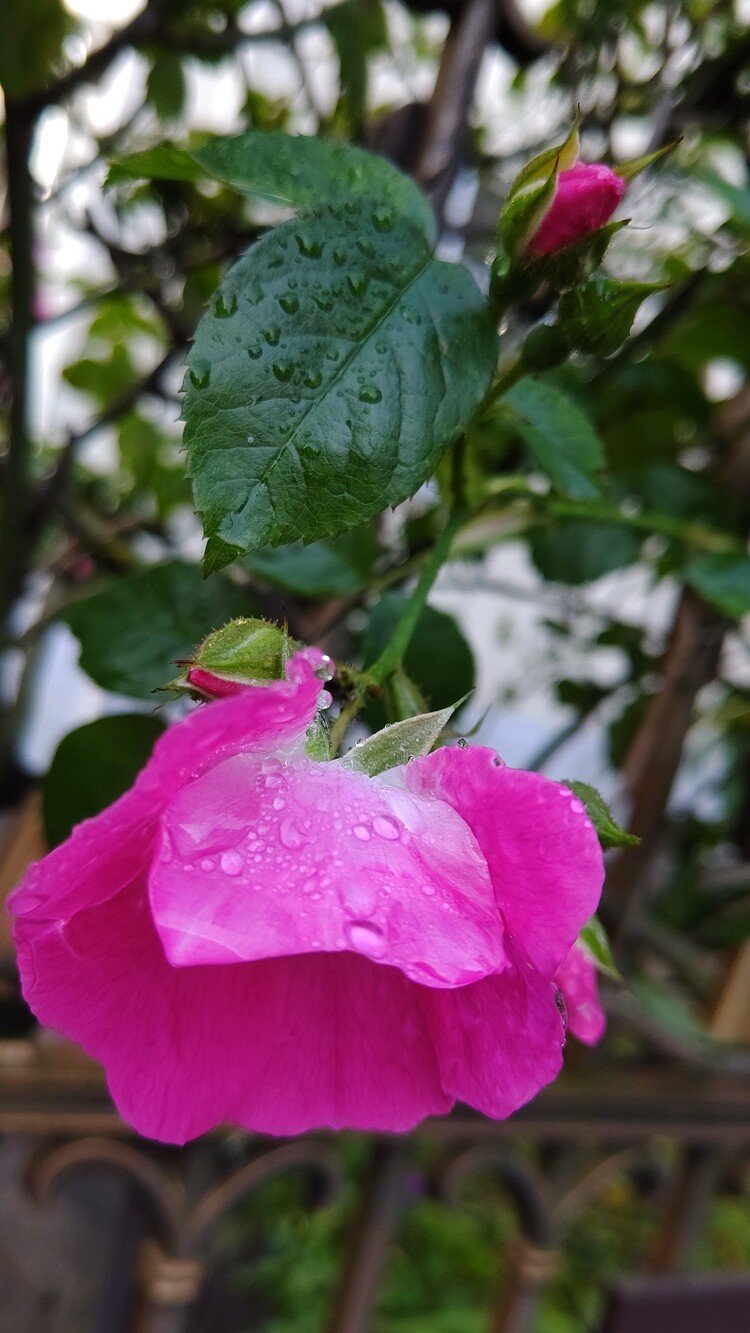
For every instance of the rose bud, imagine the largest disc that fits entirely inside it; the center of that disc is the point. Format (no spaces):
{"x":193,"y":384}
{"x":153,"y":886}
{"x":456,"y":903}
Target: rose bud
{"x":586,"y":196}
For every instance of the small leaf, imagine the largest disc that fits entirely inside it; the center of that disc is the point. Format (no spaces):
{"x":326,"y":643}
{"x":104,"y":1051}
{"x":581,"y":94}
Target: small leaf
{"x":559,"y":434}
{"x":561,"y":157}
{"x":92,"y":767}
{"x":397,"y":743}
{"x":629,"y":170}
{"x":337,"y":362}
{"x":723,"y":580}
{"x":608,"y":831}
{"x":593,"y":937}
{"x":597,"y":316}
{"x":132,"y":628}
{"x":165,"y":161}
{"x":523,"y":213}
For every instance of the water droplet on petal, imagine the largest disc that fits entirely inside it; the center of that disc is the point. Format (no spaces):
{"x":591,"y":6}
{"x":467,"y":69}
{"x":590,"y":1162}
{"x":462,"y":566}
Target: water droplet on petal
{"x":231,"y":863}
{"x":362,"y":832}
{"x":428,"y":889}
{"x":385,"y":827}
{"x":207,"y":864}
{"x":291,"y":836}
{"x":279,"y":803}
{"x":366,"y":938}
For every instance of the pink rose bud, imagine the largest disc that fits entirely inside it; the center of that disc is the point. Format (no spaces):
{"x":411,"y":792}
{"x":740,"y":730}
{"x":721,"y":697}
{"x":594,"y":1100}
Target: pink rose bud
{"x":585,"y":199}
{"x":213,"y":686}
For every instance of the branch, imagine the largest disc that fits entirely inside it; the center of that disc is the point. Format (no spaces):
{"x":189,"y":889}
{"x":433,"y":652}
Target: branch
{"x":19,"y":129}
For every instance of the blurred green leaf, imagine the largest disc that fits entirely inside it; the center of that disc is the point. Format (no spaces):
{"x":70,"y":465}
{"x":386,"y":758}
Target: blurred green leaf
{"x":579,"y":551}
{"x":92,"y":767}
{"x":596,"y":317}
{"x":33,"y":32}
{"x":131,"y":629}
{"x":438,"y":657}
{"x":341,"y":567}
{"x":559,"y":434}
{"x":723,"y":580}
{"x":165,"y":86}
{"x":594,"y":938}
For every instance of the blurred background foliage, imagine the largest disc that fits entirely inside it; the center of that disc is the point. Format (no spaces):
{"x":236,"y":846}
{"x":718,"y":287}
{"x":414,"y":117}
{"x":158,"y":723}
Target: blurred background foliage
{"x":605,"y":637}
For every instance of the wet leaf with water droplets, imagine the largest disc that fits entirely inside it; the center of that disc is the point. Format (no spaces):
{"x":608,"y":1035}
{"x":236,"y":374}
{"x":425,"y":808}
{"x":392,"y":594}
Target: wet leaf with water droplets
{"x":349,"y":409}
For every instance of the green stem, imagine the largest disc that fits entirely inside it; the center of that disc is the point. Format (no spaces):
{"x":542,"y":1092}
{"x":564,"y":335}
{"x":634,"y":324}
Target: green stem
{"x":393,"y":655}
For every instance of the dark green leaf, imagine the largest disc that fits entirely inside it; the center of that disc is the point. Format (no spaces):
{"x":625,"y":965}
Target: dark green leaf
{"x":560,"y":435}
{"x":608,"y":831}
{"x":723,"y":580}
{"x":165,"y":88}
{"x":338,"y":361}
{"x":92,"y":767}
{"x":339,"y":568}
{"x":33,"y":32}
{"x":438,"y":657}
{"x":581,"y":550}
{"x":133,"y":628}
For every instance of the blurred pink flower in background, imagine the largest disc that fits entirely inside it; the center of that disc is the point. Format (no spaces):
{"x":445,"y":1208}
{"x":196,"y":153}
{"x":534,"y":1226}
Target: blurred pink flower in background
{"x":587,"y":195}
{"x":252,"y":937}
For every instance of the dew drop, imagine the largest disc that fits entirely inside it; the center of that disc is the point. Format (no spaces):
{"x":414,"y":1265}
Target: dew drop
{"x":370,"y":393}
{"x":283,"y":370}
{"x":291,"y":836}
{"x":429,"y":890}
{"x":279,"y":803}
{"x":362,"y":832}
{"x":313,"y":379}
{"x":365,"y":938}
{"x":250,"y":439}
{"x":254,"y":351}
{"x":231,"y":863}
{"x":289,"y":303}
{"x":207,"y":864}
{"x":223,"y":309}
{"x":385,"y":827}
{"x":462,"y":743}
{"x":272,"y":334}
{"x":307,"y":246}
{"x":357,"y":283}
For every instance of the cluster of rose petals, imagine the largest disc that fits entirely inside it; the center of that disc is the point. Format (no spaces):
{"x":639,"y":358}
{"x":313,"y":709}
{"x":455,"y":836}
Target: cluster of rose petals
{"x":247,"y":936}
{"x":585,"y":198}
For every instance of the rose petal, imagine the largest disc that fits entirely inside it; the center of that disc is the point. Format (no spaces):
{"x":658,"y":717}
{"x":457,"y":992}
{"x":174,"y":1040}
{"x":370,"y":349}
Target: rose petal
{"x":279,"y":1047}
{"x":105,"y":853}
{"x":585,"y":199}
{"x":499,"y":1041}
{"x":260,"y":860}
{"x":544,"y":856}
{"x":576,"y":977}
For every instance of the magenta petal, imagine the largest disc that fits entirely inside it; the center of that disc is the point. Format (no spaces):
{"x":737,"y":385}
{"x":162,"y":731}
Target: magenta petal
{"x":587,"y":195}
{"x":499,"y":1041}
{"x":104,"y":854}
{"x":278,"y":1047}
{"x":576,"y":977}
{"x":260,"y":860}
{"x":541,"y":848}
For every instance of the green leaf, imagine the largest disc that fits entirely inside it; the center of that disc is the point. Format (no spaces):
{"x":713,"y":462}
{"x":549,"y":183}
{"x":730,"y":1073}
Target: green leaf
{"x":594,"y":939}
{"x":608,"y":831}
{"x":723,"y":580}
{"x":580,"y":550}
{"x":33,"y":33}
{"x":629,"y":170}
{"x":560,"y":435}
{"x":397,"y":743}
{"x":294,"y":171}
{"x":131,"y":629}
{"x":92,"y":767}
{"x":597,"y":316}
{"x":438,"y":657}
{"x":523,"y":213}
{"x":165,"y":86}
{"x":338,"y":361}
{"x":338,"y":568}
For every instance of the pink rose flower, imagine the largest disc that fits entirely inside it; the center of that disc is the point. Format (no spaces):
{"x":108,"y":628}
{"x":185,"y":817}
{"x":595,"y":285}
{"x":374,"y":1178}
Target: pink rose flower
{"x":585,"y":199}
{"x":576,"y":977}
{"x":248,"y":936}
